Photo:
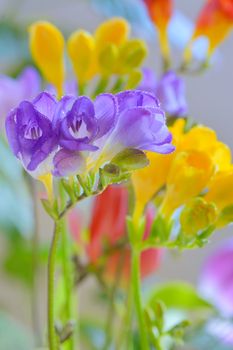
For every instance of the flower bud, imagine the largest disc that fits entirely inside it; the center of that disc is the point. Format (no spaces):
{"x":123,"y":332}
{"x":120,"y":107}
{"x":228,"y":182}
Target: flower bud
{"x":107,"y":59}
{"x":131,"y":55}
{"x":47,"y":49}
{"x":113,"y":31}
{"x":197,"y":215}
{"x":81,"y":47}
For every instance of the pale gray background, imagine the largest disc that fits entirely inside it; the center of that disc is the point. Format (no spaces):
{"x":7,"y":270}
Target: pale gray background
{"x":210,"y":100}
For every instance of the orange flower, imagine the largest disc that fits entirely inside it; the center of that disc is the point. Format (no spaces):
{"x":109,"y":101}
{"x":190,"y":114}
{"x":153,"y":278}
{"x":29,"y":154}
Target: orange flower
{"x":215,"y":22}
{"x":160,"y":12}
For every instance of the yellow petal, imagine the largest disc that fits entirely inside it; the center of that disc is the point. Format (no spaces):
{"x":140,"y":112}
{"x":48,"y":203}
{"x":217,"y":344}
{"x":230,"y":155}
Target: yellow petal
{"x":221,"y":189}
{"x":47,"y":49}
{"x":47,"y":181}
{"x":113,"y":31}
{"x":149,"y":180}
{"x":204,"y":139}
{"x":81,"y":48}
{"x":189,"y":174}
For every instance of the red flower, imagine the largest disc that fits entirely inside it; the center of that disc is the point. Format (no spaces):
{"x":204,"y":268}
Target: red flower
{"x":215,"y":22}
{"x":107,"y":227}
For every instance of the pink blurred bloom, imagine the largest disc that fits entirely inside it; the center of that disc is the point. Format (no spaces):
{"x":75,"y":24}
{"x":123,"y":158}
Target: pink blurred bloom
{"x":107,"y":227}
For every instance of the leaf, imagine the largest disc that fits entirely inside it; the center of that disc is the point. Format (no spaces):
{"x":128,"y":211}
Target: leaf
{"x":130,"y":159}
{"x":50,"y":208}
{"x":179,"y":295}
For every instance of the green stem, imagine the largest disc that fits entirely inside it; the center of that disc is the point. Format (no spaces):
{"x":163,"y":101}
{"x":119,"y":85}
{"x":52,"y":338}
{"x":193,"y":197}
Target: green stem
{"x":138,"y":299}
{"x":67,"y":275}
{"x":67,"y":272}
{"x":52,"y":337}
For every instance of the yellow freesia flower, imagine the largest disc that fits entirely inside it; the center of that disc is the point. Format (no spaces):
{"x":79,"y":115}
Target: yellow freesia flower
{"x":220,"y":189}
{"x":47,"y":49}
{"x":114,"y":31}
{"x":189,"y":174}
{"x":81,"y":50}
{"x":149,"y":180}
{"x":176,"y":172}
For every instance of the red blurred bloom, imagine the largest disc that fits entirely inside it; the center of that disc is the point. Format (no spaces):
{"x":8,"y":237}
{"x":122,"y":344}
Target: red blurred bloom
{"x":215,"y":22}
{"x":107,"y":227}
{"x":160,"y":12}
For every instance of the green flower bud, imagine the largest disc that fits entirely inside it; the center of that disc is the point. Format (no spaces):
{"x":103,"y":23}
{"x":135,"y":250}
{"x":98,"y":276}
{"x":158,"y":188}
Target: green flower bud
{"x":197,"y":216}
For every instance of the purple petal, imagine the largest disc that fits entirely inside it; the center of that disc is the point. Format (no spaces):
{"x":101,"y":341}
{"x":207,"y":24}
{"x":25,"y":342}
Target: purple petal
{"x":149,"y":81}
{"x":171,"y":93}
{"x":79,"y":127}
{"x":142,"y":128}
{"x":45,"y":103}
{"x":136,"y":98}
{"x":105,"y":112}
{"x":62,"y":108}
{"x":30,"y":82}
{"x":216,"y":282}
{"x":68,"y":163}
{"x":11,"y":132}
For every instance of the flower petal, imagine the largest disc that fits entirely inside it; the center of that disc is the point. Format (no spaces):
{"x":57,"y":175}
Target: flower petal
{"x":45,"y":103}
{"x":105,"y":112}
{"x":67,"y":163}
{"x":136,"y":98}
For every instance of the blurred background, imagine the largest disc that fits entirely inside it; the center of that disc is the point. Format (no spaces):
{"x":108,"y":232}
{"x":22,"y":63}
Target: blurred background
{"x":210,"y":98}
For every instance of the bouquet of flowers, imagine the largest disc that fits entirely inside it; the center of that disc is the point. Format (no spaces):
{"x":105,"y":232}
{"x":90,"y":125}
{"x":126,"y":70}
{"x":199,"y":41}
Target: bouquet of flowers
{"x":127,"y":174}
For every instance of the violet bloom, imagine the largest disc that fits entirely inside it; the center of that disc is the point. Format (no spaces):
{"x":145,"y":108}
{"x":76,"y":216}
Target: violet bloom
{"x":216,"y":282}
{"x":105,"y":127}
{"x":13,"y":91}
{"x":76,"y":135}
{"x":170,"y":90}
{"x":30,"y":134}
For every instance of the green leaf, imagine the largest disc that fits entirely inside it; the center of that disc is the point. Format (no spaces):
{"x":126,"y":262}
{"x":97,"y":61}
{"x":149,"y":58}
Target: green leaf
{"x":50,"y":208}
{"x":130,"y":159}
{"x":179,"y":295}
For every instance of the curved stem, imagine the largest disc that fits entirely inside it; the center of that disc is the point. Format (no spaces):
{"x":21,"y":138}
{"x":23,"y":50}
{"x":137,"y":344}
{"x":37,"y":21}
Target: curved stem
{"x":135,"y":270}
{"x":52,"y":337}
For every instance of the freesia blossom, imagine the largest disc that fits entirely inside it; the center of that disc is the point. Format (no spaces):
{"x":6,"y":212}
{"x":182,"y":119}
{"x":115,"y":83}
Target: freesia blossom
{"x":214,"y":22}
{"x":186,"y":172}
{"x":170,"y":90}
{"x":12,"y":91}
{"x":160,"y":12}
{"x":108,"y":51}
{"x":107,"y":228}
{"x":77,"y":135}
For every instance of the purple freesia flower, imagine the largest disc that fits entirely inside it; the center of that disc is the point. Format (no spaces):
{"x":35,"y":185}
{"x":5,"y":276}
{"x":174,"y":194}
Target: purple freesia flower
{"x":13,"y":91}
{"x":170,"y":90}
{"x":216,"y":281}
{"x":77,"y":135}
{"x":30,"y":134}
